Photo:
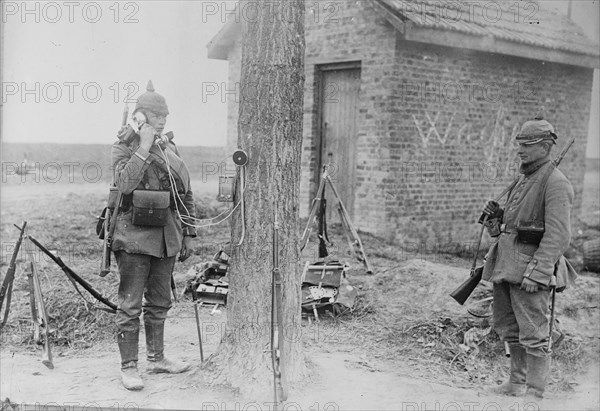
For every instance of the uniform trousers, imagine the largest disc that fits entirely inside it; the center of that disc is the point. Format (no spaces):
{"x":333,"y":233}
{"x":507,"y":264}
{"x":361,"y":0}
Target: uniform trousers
{"x":145,"y":286}
{"x":521,"y":317}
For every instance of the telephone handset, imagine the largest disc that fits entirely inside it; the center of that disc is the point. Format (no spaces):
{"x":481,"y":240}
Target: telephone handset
{"x":137,"y":121}
{"x":132,"y":127}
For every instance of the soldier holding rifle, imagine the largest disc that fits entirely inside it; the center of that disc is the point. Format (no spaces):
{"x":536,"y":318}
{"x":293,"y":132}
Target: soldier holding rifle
{"x":153,"y":224}
{"x":533,"y":230}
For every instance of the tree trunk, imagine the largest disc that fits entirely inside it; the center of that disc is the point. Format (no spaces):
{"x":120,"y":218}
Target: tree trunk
{"x":270,"y":132}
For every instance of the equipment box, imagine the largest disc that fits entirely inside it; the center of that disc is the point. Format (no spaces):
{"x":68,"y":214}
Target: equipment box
{"x":212,"y":292}
{"x":323,"y":274}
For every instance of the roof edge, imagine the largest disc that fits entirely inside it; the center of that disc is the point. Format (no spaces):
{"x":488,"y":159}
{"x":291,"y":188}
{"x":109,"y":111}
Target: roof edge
{"x":488,"y":44}
{"x":222,"y":42}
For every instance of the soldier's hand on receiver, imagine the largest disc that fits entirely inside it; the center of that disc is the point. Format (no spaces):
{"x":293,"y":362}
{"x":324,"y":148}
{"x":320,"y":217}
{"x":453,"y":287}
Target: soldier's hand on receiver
{"x":147,"y":135}
{"x":491,"y":207}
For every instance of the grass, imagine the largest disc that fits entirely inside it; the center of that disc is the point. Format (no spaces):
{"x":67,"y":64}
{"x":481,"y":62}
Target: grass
{"x":403,"y":318}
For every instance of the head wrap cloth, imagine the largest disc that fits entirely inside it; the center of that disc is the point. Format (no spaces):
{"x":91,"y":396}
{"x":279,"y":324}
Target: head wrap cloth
{"x":535,"y":131}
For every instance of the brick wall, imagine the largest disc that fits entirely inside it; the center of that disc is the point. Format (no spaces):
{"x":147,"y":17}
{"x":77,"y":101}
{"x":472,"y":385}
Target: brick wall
{"x":435,"y":125}
{"x":477,"y":102}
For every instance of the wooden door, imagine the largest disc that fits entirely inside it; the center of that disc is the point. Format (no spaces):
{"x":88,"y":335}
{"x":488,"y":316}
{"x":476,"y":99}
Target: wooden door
{"x":340,"y":86}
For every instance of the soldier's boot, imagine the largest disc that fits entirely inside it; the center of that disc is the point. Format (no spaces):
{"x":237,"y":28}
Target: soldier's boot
{"x":157,"y":363}
{"x":128,"y":348}
{"x":515,"y":386}
{"x":538,"y":369}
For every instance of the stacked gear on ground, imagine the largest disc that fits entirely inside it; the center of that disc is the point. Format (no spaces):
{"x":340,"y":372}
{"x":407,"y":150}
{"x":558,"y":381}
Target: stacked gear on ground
{"x":324,"y":285}
{"x":209,"y":283}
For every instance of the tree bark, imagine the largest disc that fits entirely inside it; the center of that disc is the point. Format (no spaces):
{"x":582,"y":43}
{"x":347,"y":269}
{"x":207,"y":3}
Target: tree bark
{"x":270,"y":132}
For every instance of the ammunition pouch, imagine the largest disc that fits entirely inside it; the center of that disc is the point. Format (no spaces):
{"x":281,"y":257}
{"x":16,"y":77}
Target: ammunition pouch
{"x":150,"y":208}
{"x":530,"y":231}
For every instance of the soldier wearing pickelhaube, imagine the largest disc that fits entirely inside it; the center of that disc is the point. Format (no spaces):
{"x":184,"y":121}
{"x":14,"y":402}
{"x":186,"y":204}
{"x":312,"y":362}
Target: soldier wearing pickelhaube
{"x":154,"y":223}
{"x":527,"y":259}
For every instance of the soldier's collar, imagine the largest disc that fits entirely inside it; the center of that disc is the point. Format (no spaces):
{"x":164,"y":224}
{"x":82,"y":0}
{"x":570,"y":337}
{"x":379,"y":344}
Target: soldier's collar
{"x":531,"y":168}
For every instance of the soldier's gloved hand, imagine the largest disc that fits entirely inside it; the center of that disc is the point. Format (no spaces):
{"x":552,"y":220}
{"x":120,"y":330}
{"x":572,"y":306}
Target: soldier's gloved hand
{"x":491,"y":207}
{"x":529,"y":286}
{"x":147,"y":133}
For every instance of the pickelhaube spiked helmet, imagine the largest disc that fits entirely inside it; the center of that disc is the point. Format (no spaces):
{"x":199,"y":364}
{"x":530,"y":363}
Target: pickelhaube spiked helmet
{"x":152,"y":101}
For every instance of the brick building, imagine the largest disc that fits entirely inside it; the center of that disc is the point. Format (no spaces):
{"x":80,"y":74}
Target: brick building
{"x":416,"y":105}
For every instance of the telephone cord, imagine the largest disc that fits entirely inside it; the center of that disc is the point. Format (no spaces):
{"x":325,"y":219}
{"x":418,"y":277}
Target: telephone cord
{"x":192,"y":221}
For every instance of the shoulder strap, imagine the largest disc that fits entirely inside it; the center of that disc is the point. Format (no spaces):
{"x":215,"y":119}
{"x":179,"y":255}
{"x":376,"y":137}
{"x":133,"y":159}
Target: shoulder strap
{"x":510,"y":189}
{"x":537,"y":206}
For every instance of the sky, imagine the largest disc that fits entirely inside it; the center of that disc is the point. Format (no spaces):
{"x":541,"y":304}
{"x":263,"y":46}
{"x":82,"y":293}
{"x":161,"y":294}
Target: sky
{"x":68,"y":75}
{"x":70,"y":66}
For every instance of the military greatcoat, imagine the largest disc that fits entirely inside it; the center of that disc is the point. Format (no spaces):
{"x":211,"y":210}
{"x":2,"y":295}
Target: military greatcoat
{"x":133,"y":172}
{"x":509,"y":260}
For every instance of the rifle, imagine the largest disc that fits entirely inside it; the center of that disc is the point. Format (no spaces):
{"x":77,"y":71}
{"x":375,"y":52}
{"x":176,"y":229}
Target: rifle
{"x":7,"y":284}
{"x":466,"y":288}
{"x":105,"y":267}
{"x":318,"y":206}
{"x":74,"y":277}
{"x":39,"y":315}
{"x":109,"y":230}
{"x":276,"y":322}
{"x":322,"y":219}
{"x":110,"y":218}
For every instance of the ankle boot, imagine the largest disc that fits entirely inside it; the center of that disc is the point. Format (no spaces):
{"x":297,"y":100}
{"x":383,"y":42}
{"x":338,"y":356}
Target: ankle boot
{"x":128,"y":348}
{"x":157,"y":363}
{"x":515,"y":385}
{"x":167,"y":366}
{"x":538,"y":369}
{"x":130,"y":377}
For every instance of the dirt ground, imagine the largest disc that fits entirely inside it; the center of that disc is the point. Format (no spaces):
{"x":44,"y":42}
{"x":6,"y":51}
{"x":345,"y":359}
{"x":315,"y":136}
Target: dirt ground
{"x":397,"y":351}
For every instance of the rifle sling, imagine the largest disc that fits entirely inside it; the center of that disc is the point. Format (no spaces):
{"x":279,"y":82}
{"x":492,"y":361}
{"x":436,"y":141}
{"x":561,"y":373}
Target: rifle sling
{"x":77,"y":278}
{"x":72,"y":280}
